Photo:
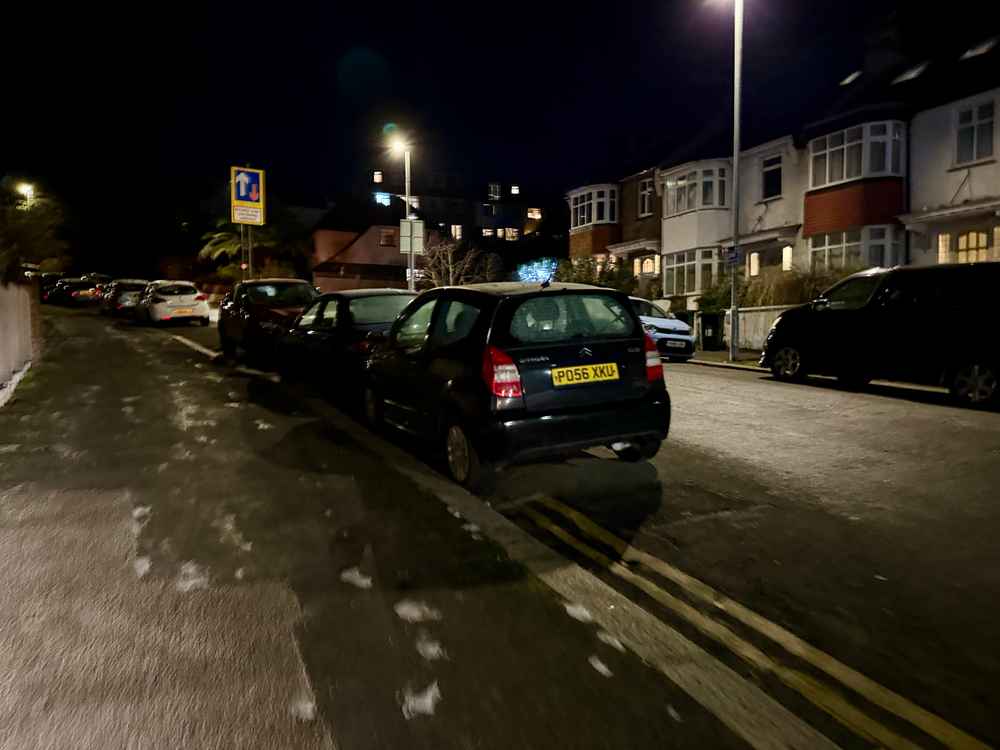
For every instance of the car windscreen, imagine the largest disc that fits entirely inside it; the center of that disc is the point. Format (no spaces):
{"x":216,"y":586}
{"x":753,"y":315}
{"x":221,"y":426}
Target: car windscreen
{"x":281,"y":295}
{"x":852,"y":294}
{"x":175,"y":290}
{"x":378,"y":309}
{"x":135,"y":288}
{"x":558,"y":318}
{"x":649,"y":310}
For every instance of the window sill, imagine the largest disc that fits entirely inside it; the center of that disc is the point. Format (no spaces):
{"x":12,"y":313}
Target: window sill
{"x":970,"y":164}
{"x":645,"y":216}
{"x":695,"y":210}
{"x":772,"y":199}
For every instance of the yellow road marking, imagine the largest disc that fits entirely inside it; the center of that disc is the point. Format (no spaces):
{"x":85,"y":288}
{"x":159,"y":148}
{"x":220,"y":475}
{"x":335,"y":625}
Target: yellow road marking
{"x":883,"y":697}
{"x":814,"y":691}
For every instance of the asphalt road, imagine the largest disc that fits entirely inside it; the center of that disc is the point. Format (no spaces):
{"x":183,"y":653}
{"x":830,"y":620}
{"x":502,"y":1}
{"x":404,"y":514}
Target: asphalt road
{"x":800,"y":566}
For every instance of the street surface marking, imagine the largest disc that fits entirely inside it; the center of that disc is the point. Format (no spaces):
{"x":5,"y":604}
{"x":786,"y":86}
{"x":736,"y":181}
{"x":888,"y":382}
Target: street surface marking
{"x":881,"y":696}
{"x":740,"y":705}
{"x":212,"y":353}
{"x":814,"y":691}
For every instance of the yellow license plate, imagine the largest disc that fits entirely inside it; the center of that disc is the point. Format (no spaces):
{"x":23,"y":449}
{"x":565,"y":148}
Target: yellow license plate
{"x":584,"y":374}
{"x":182,"y":311}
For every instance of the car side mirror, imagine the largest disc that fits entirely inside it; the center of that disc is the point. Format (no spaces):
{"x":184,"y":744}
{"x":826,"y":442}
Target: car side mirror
{"x":376,"y":337}
{"x":820,"y":303}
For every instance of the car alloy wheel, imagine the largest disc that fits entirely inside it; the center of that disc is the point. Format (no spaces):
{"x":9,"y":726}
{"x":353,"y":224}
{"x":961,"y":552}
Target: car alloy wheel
{"x":787,"y":363}
{"x":459,"y":454}
{"x":975,"y":384}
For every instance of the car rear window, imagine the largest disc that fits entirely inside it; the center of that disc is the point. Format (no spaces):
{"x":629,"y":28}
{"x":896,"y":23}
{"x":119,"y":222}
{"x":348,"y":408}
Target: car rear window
{"x":554,"y":318}
{"x":176,"y":290}
{"x":378,"y":309}
{"x":281,"y":295}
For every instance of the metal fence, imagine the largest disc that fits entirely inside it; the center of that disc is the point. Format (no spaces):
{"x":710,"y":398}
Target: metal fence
{"x":18,"y":305}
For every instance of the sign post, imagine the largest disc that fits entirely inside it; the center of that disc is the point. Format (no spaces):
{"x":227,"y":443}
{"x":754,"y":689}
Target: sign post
{"x":247,"y":206}
{"x":411,"y":244}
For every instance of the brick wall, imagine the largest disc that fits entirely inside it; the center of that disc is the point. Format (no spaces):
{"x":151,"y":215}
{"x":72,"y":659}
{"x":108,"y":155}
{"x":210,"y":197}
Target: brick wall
{"x":633,"y":227}
{"x":853,"y":205}
{"x":595,"y":239}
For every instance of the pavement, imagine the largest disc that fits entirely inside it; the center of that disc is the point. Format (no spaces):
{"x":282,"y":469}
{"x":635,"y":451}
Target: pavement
{"x":197,"y":555}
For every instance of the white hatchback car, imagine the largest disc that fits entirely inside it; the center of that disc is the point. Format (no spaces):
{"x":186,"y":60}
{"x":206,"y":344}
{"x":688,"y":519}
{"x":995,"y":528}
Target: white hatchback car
{"x":167,"y":301}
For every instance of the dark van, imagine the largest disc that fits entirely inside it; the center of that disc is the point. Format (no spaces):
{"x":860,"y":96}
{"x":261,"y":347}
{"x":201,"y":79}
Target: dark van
{"x":496,"y":373}
{"x":933,"y":325}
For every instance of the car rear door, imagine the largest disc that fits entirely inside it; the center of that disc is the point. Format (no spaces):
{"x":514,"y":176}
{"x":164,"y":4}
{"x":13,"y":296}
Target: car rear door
{"x":574,"y":349}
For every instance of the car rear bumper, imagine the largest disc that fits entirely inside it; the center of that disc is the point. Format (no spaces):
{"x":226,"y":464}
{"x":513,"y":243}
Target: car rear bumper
{"x":540,"y":436}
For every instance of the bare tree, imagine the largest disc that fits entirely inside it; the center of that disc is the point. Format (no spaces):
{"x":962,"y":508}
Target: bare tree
{"x":447,"y":264}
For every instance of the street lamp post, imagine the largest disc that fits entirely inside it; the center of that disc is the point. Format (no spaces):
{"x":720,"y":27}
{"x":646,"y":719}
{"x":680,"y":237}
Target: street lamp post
{"x":28,"y":191}
{"x":734,"y":311}
{"x":400,"y":146}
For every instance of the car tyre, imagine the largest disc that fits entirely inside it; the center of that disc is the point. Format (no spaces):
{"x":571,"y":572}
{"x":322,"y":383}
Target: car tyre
{"x":788,"y":364}
{"x":227,"y":345}
{"x":976,"y":384}
{"x":465,"y":466}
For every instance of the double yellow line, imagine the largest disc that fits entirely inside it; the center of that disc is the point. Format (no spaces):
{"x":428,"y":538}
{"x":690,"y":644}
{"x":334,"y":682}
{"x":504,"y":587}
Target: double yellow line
{"x":816,"y":692}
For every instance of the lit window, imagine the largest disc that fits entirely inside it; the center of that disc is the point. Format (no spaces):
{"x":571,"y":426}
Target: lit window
{"x":770,"y":169}
{"x":386,"y":237}
{"x":494,"y":191}
{"x":487,"y":232}
{"x":636,"y":266}
{"x":910,"y":73}
{"x":755,"y":264}
{"x":980,"y":49}
{"x":383,"y":199}
{"x":787,"y":256}
{"x":535,"y":213}
{"x":598,"y":206}
{"x":944,"y":248}
{"x":975,"y":133}
{"x":501,"y":233}
{"x":377,"y":176}
{"x":645,"y":197}
{"x":851,"y":78}
{"x":861,"y":151}
{"x":648,"y":265}
{"x":456,"y":231}
{"x":515,"y":189}
{"x":973,"y":247}
{"x":513,"y":233}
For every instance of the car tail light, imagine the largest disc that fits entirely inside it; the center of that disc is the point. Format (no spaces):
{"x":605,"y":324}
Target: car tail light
{"x":654,"y":368}
{"x":201,"y":297}
{"x":158,"y":300}
{"x":361,"y":347}
{"x":501,"y":374}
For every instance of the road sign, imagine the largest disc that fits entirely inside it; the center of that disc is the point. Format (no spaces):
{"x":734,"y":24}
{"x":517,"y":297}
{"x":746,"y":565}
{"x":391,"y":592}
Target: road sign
{"x":732,"y":256}
{"x":246,"y":192}
{"x":411,"y":234}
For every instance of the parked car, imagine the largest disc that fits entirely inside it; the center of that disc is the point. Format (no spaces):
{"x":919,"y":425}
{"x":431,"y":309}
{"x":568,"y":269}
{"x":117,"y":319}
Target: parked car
{"x":121,"y":296}
{"x":46,"y":283}
{"x":931,"y":325}
{"x":331,"y":338}
{"x":256,"y":315}
{"x":499,"y":373}
{"x":163,"y":301}
{"x":71,"y":291}
{"x":673,"y":337}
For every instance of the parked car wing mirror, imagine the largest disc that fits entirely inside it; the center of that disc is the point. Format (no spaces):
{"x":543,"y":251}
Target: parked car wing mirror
{"x":820,"y":303}
{"x":376,"y":337}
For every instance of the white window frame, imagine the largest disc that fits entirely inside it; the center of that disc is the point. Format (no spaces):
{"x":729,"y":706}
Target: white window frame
{"x":693,"y":259}
{"x":978,"y":244}
{"x":765,"y":168}
{"x":585,"y":203}
{"x":975,"y":124}
{"x":681,"y":187}
{"x":840,"y":141}
{"x":877,"y":244}
{"x":494,"y":191}
{"x":645,"y":197}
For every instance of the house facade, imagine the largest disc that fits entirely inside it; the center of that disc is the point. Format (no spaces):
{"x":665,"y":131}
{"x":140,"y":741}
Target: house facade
{"x":640,"y":214}
{"x":954,"y":197}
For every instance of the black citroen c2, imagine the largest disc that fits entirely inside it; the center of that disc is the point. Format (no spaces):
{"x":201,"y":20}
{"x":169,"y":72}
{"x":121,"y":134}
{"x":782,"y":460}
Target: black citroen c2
{"x":499,"y":373}
{"x":932,"y":325}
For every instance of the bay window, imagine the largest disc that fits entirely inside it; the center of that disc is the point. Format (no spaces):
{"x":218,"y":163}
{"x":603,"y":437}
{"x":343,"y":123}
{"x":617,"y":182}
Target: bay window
{"x":866,"y":150}
{"x":684,"y":190}
{"x":680,"y":271}
{"x":598,"y":205}
{"x":878,"y":245}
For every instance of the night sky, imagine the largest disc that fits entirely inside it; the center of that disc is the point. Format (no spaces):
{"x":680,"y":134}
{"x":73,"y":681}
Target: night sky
{"x":134,"y":113}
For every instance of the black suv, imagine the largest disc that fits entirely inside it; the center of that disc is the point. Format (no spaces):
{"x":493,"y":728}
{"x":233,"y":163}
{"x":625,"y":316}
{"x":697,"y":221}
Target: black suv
{"x":256,"y":315}
{"x":931,"y":325}
{"x":496,"y":373}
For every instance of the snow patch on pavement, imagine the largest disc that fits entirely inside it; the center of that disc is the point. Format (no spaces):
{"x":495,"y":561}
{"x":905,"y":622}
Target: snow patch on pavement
{"x":141,"y":565}
{"x":191,"y":577}
{"x":229,"y":534}
{"x":578,"y":612}
{"x":428,"y":648}
{"x":263,"y":426}
{"x":413,"y":611}
{"x":674,"y":715}
{"x":421,"y":703}
{"x":355,"y":577}
{"x":130,"y":399}
{"x":10,"y":448}
{"x":303,"y":709}
{"x":600,"y":666}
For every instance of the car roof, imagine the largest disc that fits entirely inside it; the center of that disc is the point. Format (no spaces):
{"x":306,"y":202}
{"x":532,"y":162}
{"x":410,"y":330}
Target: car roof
{"x":514,"y":288}
{"x":130,"y":281}
{"x":161,"y":282}
{"x":356,"y":293}
{"x":254,"y":282}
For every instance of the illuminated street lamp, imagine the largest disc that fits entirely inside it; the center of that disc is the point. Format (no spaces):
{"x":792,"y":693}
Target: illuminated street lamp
{"x":400,"y":147}
{"x":27,"y":190}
